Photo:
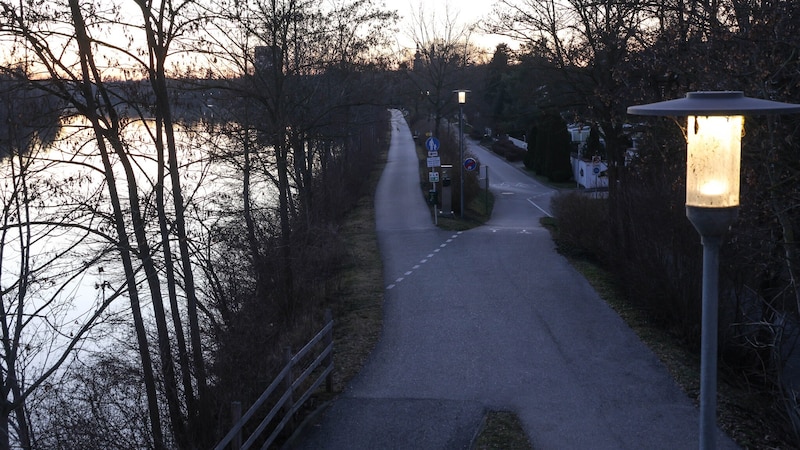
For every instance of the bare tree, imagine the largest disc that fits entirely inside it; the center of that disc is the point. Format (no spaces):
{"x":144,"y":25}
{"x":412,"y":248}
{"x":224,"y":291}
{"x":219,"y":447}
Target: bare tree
{"x":109,"y":63}
{"x":46,"y":222}
{"x":283,"y":51}
{"x":81,"y":82}
{"x":443,"y":52}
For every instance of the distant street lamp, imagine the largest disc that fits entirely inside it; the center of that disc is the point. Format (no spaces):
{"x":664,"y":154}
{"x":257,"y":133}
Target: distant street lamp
{"x":462,"y":99}
{"x":714,"y":130}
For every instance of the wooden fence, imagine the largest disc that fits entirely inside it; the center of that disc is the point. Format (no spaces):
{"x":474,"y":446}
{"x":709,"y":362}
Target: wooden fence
{"x":286,"y":406}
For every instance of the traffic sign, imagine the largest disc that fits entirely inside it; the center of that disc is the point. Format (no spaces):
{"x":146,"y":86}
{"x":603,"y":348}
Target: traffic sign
{"x":434,"y":162}
{"x":432,"y":144}
{"x":433,"y":154}
{"x":470,"y":164}
{"x":433,"y":177}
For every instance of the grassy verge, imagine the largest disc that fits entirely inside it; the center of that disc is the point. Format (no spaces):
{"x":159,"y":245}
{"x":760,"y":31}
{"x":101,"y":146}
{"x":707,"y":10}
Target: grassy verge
{"x":476,"y":213}
{"x":357,"y":304}
{"x":502,"y":430}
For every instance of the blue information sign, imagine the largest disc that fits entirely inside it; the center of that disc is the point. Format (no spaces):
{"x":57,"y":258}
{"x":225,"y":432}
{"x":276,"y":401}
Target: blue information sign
{"x":432,"y":144}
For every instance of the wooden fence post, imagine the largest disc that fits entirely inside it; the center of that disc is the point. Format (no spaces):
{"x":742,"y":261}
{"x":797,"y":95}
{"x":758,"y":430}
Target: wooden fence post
{"x":236,"y":414}
{"x":287,"y":382}
{"x":329,"y":360}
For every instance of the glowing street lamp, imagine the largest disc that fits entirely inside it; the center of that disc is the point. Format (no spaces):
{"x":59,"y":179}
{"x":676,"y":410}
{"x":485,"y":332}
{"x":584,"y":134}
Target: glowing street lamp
{"x":714,"y":131}
{"x":713,"y":159}
{"x":462,"y":99}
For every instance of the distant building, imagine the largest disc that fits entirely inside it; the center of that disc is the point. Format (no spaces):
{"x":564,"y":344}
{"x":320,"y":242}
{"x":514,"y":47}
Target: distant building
{"x":265,"y":58}
{"x":588,"y":170}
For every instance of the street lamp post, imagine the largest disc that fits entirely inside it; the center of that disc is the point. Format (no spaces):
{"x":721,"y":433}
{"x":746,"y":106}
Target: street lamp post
{"x":462,"y":99}
{"x":714,"y":130}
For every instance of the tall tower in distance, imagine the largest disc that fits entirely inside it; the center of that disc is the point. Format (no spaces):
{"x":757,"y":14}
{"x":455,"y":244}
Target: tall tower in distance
{"x":266,"y":57}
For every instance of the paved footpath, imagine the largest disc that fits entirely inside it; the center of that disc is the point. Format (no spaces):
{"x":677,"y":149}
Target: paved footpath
{"x":495,"y":319}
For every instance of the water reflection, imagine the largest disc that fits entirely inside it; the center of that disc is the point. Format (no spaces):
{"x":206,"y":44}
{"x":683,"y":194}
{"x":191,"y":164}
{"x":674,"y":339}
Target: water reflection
{"x":60,"y":261}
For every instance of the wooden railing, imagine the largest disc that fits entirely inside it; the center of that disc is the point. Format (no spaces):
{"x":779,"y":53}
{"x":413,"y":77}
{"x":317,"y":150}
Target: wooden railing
{"x":286,"y":406}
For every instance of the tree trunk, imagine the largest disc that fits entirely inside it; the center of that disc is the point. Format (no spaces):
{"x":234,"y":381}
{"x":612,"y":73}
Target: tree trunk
{"x":281,"y":153}
{"x":252,"y":239}
{"x":89,"y":73}
{"x":158,"y":55}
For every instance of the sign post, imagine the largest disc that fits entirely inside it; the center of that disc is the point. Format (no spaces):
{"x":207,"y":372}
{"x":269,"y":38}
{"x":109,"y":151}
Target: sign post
{"x":486,"y":192}
{"x":432,"y":145}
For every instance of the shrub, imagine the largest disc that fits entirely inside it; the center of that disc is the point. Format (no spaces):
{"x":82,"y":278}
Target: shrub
{"x":508,"y":149}
{"x":553,"y":143}
{"x":499,"y":146}
{"x":582,"y":225}
{"x":531,"y":160}
{"x":515,"y":154}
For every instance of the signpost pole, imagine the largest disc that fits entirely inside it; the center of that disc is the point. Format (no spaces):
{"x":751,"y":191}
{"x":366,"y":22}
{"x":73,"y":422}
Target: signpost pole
{"x":486,"y":193}
{"x":435,"y":197}
{"x":435,"y":208}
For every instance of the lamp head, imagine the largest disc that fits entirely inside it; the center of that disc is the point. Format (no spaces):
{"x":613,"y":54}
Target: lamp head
{"x":462,"y":95}
{"x":714,"y":103}
{"x":713,"y":160}
{"x":714,"y":131}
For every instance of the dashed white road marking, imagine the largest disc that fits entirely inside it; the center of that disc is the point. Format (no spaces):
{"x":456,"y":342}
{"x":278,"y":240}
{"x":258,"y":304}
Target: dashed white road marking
{"x":422,"y":261}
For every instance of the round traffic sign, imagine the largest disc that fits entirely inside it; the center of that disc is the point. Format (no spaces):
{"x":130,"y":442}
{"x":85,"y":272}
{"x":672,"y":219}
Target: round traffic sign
{"x":432,"y":144}
{"x":470,"y":164}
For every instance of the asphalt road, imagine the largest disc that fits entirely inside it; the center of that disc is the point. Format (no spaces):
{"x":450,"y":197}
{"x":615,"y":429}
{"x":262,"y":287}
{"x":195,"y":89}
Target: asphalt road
{"x":494,"y":318}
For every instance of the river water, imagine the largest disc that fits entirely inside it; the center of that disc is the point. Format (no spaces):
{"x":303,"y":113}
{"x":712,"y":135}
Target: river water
{"x":59,"y":269}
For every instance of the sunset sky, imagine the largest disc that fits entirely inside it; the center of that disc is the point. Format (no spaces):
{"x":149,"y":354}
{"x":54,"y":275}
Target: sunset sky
{"x":466,"y":12}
